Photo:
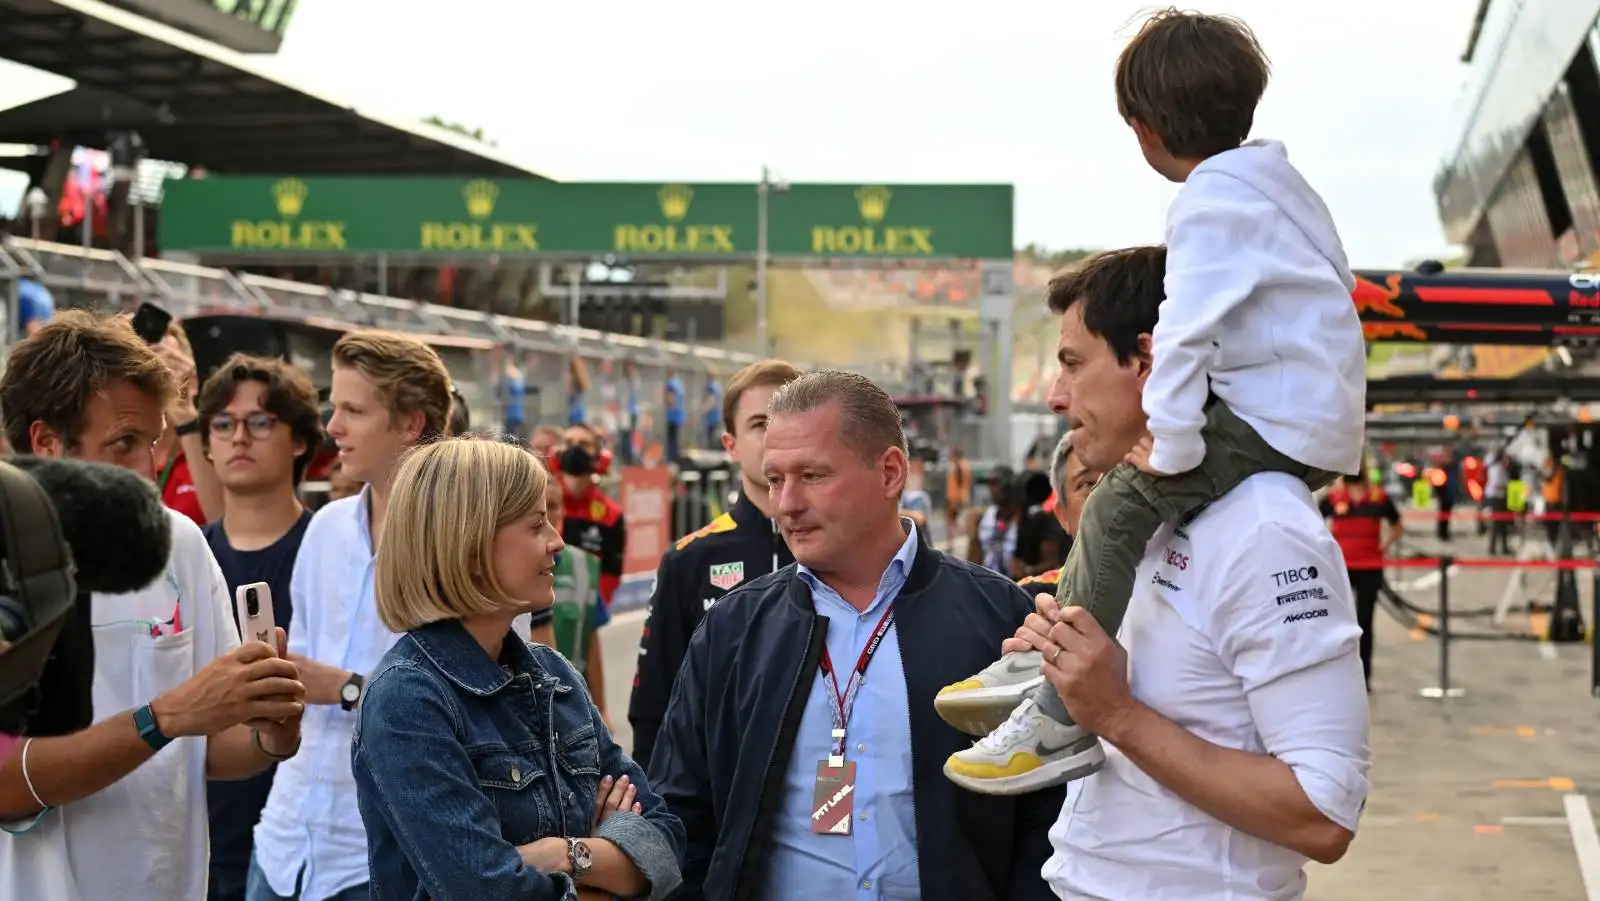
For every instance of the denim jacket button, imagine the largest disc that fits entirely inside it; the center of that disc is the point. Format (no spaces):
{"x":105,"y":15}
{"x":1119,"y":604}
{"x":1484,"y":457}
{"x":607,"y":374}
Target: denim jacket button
{"x":516,"y":775}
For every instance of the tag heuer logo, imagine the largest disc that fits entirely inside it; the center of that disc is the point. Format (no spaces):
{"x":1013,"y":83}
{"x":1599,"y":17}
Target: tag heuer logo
{"x":727,"y":575}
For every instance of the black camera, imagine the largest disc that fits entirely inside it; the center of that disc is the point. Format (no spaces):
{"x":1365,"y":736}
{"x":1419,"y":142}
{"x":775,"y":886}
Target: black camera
{"x":252,"y":602}
{"x":49,"y":651}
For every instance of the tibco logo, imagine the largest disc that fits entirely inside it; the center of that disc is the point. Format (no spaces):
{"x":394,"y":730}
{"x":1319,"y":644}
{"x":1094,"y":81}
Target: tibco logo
{"x":1306,"y":614}
{"x":1291,"y":576}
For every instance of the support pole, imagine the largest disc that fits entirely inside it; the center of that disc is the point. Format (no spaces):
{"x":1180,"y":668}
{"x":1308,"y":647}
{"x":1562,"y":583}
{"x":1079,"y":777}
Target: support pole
{"x":1443,"y":690}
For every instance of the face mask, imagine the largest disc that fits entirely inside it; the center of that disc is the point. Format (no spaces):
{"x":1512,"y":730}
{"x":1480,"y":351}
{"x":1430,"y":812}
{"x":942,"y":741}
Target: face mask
{"x":575,"y":461}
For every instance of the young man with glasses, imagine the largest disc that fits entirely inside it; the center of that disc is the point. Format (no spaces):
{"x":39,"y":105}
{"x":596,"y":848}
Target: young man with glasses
{"x":261,"y":426}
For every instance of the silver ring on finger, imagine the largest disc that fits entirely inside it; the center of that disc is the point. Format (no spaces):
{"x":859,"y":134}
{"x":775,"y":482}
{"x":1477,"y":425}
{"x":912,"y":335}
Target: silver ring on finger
{"x":1054,"y":654}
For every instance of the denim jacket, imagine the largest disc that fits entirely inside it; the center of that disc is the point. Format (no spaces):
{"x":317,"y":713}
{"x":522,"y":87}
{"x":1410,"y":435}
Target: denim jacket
{"x":459,"y":760}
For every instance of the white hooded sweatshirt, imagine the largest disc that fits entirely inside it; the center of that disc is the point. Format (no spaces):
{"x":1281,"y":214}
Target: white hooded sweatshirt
{"x":1258,"y":311}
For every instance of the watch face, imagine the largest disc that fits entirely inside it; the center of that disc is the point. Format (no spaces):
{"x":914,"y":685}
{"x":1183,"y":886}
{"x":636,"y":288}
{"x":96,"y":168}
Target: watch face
{"x":349,"y":692}
{"x":580,"y":854}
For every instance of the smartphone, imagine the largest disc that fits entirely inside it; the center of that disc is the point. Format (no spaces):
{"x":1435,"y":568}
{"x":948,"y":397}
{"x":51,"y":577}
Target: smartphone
{"x":150,"y":323}
{"x":254,"y":606}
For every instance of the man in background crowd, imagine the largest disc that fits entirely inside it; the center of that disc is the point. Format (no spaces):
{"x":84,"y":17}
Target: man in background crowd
{"x":261,"y":425}
{"x":36,"y":307}
{"x":572,"y":624}
{"x":957,"y":490}
{"x":546,"y":440}
{"x":1041,"y":545}
{"x":187,"y":481}
{"x":672,"y":396}
{"x":594,"y":519}
{"x":390,"y":392}
{"x":916,"y":502}
{"x":1366,"y":523}
{"x":738,"y":546}
{"x":992,"y":538}
{"x":711,"y":413}
{"x":112,"y":813}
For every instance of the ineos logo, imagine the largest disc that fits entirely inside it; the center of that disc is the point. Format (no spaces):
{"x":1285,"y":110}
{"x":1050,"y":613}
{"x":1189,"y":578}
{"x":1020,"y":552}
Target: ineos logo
{"x":1175,"y":559}
{"x":1291,"y":576}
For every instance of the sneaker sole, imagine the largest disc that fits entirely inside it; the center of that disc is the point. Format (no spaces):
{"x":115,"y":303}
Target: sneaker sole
{"x":981,"y":710}
{"x":1058,"y":771}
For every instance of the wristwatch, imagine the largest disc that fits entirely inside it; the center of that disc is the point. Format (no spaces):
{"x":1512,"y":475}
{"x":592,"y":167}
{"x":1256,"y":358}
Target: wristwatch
{"x":580,"y":858}
{"x":145,"y":719}
{"x":350,"y":691}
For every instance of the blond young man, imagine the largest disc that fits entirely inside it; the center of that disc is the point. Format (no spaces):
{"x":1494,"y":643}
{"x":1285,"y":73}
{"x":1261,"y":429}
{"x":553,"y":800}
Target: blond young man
{"x":390,"y":393}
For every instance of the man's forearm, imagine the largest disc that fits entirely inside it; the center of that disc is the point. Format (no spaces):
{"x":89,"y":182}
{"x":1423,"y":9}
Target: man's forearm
{"x":232,"y":754}
{"x":1254,"y":793}
{"x":206,"y":485}
{"x":71,"y":767}
{"x":322,"y":681}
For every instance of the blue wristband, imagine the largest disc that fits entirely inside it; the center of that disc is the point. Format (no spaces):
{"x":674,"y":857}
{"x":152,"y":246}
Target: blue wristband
{"x":145,"y":719}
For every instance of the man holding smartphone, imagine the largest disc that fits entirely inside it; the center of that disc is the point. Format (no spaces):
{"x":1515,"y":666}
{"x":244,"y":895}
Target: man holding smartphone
{"x":261,"y":425}
{"x":112,"y":813}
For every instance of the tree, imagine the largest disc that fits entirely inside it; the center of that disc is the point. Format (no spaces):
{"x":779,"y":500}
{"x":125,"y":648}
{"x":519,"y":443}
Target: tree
{"x":474,"y":133}
{"x":1054,"y":259}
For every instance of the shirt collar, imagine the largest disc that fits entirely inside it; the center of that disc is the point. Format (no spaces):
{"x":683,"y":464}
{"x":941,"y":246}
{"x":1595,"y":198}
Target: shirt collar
{"x":894,"y":574}
{"x":457,"y":655}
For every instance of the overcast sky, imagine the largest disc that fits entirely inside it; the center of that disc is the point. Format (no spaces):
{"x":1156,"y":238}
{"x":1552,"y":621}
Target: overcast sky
{"x":890,"y":90}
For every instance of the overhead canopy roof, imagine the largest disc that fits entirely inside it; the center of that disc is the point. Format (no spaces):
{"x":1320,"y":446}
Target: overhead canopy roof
{"x":203,"y":104}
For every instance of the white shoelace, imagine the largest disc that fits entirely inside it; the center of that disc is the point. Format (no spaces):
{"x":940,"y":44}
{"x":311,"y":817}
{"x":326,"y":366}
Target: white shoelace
{"x":1015,"y":726}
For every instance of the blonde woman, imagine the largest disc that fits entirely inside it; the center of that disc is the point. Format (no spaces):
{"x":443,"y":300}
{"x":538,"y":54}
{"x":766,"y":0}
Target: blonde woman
{"x":482,"y":768}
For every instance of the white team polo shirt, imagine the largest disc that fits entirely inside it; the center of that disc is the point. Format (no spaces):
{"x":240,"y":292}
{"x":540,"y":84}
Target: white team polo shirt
{"x":1242,"y":630}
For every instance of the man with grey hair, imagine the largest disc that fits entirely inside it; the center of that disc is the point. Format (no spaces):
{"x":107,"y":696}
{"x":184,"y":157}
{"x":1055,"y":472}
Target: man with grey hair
{"x":797,"y":776}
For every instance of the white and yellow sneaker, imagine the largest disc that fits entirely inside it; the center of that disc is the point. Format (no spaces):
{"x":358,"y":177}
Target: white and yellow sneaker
{"x":1028,"y":752}
{"x":977,"y":706}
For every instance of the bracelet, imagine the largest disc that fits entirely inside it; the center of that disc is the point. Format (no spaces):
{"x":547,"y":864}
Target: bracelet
{"x":255,"y":740}
{"x":28,"y":780}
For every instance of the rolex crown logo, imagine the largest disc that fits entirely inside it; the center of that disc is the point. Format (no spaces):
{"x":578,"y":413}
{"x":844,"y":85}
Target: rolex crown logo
{"x":289,"y":195}
{"x":675,"y":201}
{"x":874,"y":203}
{"x":480,"y":194}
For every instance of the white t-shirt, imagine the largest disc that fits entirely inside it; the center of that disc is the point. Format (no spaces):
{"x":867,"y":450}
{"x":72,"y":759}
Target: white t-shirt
{"x":1242,"y":630}
{"x":146,"y":837}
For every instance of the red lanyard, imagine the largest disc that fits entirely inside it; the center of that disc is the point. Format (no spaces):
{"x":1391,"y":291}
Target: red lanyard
{"x":840,"y":703}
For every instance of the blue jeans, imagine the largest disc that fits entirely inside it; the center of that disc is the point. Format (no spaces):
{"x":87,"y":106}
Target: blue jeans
{"x":227,"y":885}
{"x":257,"y":889}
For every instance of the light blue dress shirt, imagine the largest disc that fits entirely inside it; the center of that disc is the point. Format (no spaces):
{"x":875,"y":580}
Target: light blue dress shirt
{"x":878,"y":860}
{"x":311,"y":828}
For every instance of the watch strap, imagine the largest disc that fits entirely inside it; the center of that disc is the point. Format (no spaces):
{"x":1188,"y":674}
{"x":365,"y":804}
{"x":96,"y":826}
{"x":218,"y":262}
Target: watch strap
{"x":581,"y":864}
{"x":360,"y":682}
{"x":145,"y":719}
{"x":192,"y":427}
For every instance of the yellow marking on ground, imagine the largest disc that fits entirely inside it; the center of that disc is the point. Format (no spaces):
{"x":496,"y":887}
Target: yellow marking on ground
{"x":1486,"y":829}
{"x":1427,"y":818}
{"x":1554,"y":783}
{"x":1518,"y":731}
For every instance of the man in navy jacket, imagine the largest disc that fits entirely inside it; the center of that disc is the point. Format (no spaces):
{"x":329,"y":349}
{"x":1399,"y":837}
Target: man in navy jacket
{"x":801,"y":748}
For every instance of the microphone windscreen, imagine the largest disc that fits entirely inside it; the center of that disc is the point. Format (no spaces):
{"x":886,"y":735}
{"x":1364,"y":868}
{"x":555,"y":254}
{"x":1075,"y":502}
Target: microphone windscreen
{"x":111,"y":517}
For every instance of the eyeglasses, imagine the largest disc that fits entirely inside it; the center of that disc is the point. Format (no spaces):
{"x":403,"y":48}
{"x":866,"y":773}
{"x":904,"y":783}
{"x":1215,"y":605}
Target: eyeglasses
{"x":258,"y":425}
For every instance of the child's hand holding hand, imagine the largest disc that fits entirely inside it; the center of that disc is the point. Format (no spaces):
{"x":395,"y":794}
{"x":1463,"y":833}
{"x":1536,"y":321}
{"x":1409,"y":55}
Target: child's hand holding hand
{"x":1140,"y":456}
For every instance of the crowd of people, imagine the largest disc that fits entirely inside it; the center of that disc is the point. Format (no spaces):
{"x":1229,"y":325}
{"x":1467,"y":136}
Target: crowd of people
{"x":825,"y":703}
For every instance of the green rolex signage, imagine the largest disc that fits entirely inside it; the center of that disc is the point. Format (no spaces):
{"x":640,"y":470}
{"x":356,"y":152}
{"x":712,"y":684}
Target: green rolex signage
{"x":439,"y":216}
